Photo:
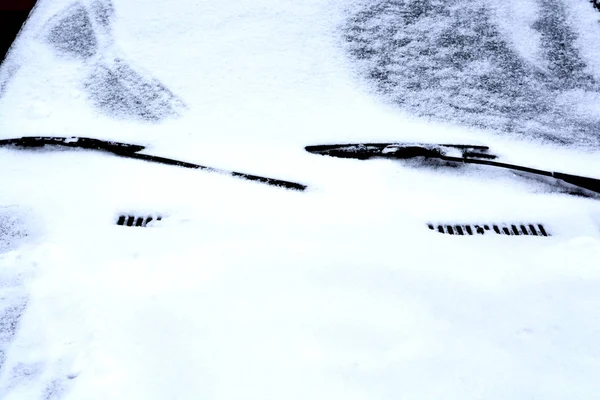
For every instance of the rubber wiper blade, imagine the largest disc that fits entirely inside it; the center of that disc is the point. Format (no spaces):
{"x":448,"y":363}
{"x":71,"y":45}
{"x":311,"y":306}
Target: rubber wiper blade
{"x":364,"y":151}
{"x":132,"y":151}
{"x":74,"y":142}
{"x":450,"y":153}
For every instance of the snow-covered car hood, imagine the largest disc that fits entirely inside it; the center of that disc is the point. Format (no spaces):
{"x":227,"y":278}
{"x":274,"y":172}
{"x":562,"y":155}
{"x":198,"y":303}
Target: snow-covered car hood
{"x":244,"y":290}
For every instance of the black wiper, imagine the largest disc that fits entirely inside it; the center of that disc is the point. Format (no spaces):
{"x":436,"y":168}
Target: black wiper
{"x":76,"y":142}
{"x":452,"y":153}
{"x":132,"y":151}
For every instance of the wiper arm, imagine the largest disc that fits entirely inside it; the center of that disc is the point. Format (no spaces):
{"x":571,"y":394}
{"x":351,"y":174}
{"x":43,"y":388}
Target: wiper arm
{"x":452,"y":153}
{"x":132,"y":151}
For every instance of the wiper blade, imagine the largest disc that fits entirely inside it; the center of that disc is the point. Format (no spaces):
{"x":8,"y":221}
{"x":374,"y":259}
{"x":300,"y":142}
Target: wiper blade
{"x":364,"y":151}
{"x":76,"y":142}
{"x":452,"y":153}
{"x":132,"y":151}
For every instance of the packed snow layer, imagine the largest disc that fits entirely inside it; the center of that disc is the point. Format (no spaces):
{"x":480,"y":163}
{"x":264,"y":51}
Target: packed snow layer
{"x":249,"y":291}
{"x":244,"y":290}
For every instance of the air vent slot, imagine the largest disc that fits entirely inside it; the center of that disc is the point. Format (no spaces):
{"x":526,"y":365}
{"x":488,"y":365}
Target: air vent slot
{"x":520,"y":229}
{"x":136,"y":221}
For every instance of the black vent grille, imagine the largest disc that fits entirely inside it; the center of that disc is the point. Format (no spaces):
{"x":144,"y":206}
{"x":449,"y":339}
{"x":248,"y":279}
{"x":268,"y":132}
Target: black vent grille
{"x":133,"y":220}
{"x":498,"y":229}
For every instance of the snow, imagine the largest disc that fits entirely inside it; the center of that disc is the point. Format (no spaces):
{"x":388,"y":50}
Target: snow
{"x":498,"y":66}
{"x":249,"y":291}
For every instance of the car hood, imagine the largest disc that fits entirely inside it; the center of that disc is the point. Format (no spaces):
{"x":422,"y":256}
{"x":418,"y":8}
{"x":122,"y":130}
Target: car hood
{"x":243,"y":289}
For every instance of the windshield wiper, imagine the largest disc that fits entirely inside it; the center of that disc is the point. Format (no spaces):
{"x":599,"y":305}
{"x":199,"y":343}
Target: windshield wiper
{"x":451,"y":153}
{"x":132,"y":151}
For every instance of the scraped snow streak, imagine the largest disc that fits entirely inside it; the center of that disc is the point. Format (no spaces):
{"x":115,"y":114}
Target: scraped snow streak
{"x":247,"y":291}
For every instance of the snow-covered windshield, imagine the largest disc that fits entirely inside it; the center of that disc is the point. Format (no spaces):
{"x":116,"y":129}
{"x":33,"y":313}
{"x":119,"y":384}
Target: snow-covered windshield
{"x":520,"y":66}
{"x":127,"y":279}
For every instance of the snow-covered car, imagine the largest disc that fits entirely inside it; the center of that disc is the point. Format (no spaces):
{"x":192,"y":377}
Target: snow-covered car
{"x":311,"y":199}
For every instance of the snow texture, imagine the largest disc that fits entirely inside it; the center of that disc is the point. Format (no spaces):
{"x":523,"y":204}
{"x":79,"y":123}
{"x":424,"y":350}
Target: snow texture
{"x":119,"y":90}
{"x":12,"y":229}
{"x":246,"y":291}
{"x":72,"y":33}
{"x":454,"y":61}
{"x":84,"y":34}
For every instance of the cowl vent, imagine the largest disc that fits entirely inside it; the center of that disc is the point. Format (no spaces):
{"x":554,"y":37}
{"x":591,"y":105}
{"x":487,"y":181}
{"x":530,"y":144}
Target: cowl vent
{"x":498,"y":229}
{"x":134,"y":220}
